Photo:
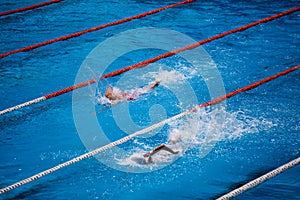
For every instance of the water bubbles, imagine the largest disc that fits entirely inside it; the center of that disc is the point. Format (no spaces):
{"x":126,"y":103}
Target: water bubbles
{"x":197,"y":135}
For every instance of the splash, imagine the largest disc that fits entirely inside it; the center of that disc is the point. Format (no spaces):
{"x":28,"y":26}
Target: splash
{"x":137,"y":161}
{"x":167,"y":78}
{"x":102,"y":100}
{"x":197,"y":133}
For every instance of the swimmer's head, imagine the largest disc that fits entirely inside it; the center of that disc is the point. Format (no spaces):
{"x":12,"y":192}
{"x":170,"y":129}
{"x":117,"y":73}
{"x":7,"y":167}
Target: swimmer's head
{"x":109,"y":92}
{"x":174,"y":136}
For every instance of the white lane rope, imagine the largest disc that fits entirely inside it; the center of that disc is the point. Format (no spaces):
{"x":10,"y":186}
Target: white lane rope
{"x":143,"y":131}
{"x":34,"y":101}
{"x":260,"y":179}
{"x":94,"y":152}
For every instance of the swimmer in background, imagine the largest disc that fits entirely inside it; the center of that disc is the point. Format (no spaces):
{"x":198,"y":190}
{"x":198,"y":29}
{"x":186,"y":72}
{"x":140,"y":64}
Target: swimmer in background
{"x":121,"y":96}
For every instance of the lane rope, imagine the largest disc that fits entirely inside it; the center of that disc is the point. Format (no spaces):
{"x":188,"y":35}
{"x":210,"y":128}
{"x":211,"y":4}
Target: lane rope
{"x":79,"y":33}
{"x":146,"y":130}
{"x":144,"y":63}
{"x":199,"y":43}
{"x":28,"y":7}
{"x":260,"y":180}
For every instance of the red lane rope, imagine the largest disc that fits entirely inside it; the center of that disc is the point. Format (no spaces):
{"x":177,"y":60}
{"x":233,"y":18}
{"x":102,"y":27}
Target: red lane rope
{"x":199,"y":43}
{"x":79,"y":33}
{"x":29,"y":7}
{"x":248,"y":87}
{"x":141,"y":132}
{"x":71,"y":88}
{"x":144,"y":63}
{"x":171,"y":53}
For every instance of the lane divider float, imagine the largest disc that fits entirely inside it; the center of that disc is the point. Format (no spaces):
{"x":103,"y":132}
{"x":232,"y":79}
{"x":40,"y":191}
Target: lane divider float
{"x":260,"y":179}
{"x":152,"y":60}
{"x":79,"y":33}
{"x":146,"y":130}
{"x":29,"y":7}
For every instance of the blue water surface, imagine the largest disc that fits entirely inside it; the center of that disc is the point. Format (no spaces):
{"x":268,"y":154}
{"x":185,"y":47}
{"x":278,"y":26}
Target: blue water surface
{"x":43,"y":135}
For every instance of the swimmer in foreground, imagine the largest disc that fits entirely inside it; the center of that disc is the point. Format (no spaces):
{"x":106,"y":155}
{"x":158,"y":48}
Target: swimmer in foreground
{"x":173,"y":140}
{"x":157,"y":149}
{"x":121,"y":96}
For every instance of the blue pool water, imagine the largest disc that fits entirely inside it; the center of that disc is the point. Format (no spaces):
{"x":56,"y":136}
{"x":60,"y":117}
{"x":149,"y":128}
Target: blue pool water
{"x":261,"y":127}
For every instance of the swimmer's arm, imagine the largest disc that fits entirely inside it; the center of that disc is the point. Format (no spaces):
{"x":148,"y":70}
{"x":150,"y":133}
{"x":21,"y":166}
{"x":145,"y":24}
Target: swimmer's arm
{"x":170,"y":150}
{"x":159,"y":148}
{"x":152,"y":86}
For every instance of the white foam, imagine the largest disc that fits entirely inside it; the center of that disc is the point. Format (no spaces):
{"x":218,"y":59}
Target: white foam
{"x":102,"y":100}
{"x":166,"y":77}
{"x":132,"y":93}
{"x":198,"y":132}
{"x":136,"y":159}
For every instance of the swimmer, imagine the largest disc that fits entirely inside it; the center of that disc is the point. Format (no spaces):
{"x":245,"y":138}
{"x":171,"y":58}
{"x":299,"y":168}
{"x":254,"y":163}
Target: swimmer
{"x":120,"y":96}
{"x":157,"y":149}
{"x":111,"y":95}
{"x":176,"y":137}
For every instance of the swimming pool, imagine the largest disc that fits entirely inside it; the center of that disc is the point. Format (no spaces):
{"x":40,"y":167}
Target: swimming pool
{"x":262,"y":125}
